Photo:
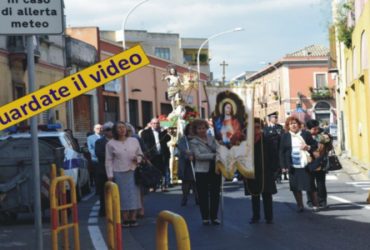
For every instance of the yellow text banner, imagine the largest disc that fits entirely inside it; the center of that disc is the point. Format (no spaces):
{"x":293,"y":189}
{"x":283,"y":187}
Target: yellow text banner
{"x":72,"y":86}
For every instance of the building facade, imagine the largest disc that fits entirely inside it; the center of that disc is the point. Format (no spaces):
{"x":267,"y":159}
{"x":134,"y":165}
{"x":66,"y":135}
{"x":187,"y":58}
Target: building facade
{"x":82,"y":110}
{"x":145,"y":95}
{"x":168,"y":46}
{"x":353,"y":91}
{"x":298,"y":84}
{"x":50,"y":64}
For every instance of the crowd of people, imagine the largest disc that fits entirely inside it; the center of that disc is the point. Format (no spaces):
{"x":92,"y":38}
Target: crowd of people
{"x":295,"y":152}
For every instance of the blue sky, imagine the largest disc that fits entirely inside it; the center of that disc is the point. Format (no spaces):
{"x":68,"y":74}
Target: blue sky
{"x":272,"y":28}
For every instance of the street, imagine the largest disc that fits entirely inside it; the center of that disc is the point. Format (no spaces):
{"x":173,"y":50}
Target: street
{"x":281,"y":84}
{"x":344,"y":225}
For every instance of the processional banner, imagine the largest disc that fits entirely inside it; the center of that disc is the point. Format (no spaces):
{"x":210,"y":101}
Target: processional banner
{"x":233,"y":124}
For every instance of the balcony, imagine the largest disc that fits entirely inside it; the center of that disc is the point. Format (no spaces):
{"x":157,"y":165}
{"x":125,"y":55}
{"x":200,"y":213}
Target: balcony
{"x":17,"y":47}
{"x":321,"y":93}
{"x":190,"y":57}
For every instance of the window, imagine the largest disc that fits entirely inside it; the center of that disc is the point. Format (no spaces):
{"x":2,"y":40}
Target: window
{"x":189,"y":99}
{"x":322,"y":106}
{"x":322,"y":112}
{"x":203,"y":113}
{"x":111,"y":108}
{"x":54,"y":141}
{"x":188,"y":58}
{"x":354,"y":64}
{"x":320,"y":80}
{"x":163,"y":53}
{"x":348,"y":78}
{"x":363,"y":52}
{"x":147,"y":111}
{"x":113,"y":86}
{"x":19,"y":91}
{"x":166,"y":109}
{"x":47,"y":116}
{"x":134,"y":112}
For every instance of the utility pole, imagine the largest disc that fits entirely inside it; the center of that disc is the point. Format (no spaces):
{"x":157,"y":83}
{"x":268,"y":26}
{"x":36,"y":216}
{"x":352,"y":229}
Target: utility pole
{"x":224,"y":65}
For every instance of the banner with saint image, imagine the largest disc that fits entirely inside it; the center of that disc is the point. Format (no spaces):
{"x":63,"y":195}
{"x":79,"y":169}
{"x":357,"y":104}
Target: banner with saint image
{"x":233,"y":125}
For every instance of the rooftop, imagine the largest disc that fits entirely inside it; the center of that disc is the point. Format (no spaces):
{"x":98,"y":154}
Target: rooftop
{"x":312,"y":50}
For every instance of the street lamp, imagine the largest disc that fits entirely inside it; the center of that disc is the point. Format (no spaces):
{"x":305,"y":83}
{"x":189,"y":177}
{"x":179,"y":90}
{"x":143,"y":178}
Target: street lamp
{"x":198,"y":65}
{"x":124,"y":48}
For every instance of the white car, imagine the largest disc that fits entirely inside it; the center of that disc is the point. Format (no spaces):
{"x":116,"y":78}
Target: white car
{"x":73,"y":162}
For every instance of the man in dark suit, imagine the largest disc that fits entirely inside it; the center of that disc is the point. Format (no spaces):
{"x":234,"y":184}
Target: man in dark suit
{"x":263,"y":184}
{"x":101,"y":174}
{"x":272,"y":133}
{"x":157,"y":151}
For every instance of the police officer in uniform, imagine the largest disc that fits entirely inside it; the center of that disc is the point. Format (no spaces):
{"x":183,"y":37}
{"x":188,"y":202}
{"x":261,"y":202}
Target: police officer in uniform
{"x":273,"y":132}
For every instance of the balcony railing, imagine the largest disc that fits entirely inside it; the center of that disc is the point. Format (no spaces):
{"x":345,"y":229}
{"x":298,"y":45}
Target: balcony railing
{"x":17,"y":47}
{"x":321,"y":93}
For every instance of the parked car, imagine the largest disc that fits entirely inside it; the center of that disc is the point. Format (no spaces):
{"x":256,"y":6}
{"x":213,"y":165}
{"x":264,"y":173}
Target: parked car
{"x":16,"y":173}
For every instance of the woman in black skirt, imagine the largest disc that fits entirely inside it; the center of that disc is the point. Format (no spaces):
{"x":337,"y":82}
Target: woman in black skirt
{"x":296,"y":147}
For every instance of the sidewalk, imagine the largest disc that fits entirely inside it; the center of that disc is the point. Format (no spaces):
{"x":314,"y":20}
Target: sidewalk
{"x":352,"y":169}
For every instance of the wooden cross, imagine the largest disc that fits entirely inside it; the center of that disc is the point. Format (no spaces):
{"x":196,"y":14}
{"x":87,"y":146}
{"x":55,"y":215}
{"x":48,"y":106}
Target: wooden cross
{"x":224,"y":65}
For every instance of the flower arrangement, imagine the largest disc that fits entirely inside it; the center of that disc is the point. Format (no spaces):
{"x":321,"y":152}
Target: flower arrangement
{"x":191,"y":115}
{"x":162,"y":118}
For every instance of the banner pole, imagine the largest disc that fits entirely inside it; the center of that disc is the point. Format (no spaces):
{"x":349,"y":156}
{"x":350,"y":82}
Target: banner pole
{"x":222,"y":199}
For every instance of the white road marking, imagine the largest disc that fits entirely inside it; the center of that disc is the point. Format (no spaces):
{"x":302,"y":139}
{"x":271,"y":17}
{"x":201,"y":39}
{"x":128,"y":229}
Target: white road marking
{"x":348,"y":202}
{"x":87,"y":197}
{"x":97,"y":238}
{"x":330,"y":177}
{"x":358,"y":182}
{"x":94,"y":230}
{"x":364,"y":185}
{"x":94,"y":213}
{"x":92,"y":220}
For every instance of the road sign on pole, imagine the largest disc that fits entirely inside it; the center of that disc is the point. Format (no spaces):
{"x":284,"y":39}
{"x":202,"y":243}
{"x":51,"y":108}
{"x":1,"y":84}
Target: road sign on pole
{"x":32,"y":17}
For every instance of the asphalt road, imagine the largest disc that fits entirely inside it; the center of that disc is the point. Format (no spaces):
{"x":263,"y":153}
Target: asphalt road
{"x":345,"y":225}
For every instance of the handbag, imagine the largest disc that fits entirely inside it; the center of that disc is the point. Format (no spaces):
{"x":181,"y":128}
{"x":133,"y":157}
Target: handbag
{"x":147,"y":175}
{"x":306,"y":157}
{"x":332,"y":162}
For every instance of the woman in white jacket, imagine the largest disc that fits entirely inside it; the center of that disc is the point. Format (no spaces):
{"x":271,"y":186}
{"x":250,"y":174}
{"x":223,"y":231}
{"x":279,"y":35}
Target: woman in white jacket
{"x":208,"y":183}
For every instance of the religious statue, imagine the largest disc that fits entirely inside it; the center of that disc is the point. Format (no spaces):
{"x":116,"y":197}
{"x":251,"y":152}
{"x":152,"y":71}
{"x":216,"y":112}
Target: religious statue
{"x":174,"y":87}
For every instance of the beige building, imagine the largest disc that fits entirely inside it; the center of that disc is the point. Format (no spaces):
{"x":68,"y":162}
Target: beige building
{"x":49,"y":68}
{"x":168,"y":46}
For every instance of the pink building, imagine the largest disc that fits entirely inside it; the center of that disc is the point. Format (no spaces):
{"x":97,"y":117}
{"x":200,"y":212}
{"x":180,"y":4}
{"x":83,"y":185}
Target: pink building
{"x":298,"y":84}
{"x":146,"y":91}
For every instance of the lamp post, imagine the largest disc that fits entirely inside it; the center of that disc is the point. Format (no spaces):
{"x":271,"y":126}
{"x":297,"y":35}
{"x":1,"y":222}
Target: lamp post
{"x":124,"y":48}
{"x":198,"y":65}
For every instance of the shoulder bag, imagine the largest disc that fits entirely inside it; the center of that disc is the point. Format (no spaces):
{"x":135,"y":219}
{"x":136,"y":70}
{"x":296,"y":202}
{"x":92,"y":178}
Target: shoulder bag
{"x":332,"y":162}
{"x":147,"y":175}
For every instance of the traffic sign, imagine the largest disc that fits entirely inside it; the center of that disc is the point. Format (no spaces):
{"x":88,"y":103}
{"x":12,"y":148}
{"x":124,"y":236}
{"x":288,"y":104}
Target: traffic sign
{"x":34,"y":17}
